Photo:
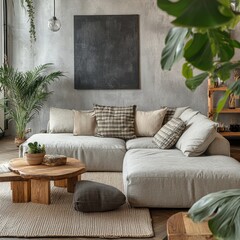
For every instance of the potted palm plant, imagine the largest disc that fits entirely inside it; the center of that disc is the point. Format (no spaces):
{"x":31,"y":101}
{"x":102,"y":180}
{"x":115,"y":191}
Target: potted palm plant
{"x":25,"y":93}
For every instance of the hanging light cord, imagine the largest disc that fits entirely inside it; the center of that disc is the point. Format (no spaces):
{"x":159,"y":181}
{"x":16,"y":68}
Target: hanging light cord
{"x":54,"y":8}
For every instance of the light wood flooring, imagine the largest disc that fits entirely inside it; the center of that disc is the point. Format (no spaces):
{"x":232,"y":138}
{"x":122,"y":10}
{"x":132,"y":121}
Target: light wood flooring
{"x":8,"y":150}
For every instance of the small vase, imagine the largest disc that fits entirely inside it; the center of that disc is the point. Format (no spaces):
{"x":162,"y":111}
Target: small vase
{"x":34,"y":158}
{"x":231,"y":101}
{"x":19,"y":141}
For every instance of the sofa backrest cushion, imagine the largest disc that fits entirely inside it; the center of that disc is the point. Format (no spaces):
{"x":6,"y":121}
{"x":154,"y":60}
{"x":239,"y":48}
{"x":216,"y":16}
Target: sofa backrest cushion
{"x":148,"y":123}
{"x":61,"y":120}
{"x":118,"y":122}
{"x":84,"y":123}
{"x":169,"y":134}
{"x":169,"y":114}
{"x":200,"y":132}
{"x":187,"y":115}
{"x":173,"y":113}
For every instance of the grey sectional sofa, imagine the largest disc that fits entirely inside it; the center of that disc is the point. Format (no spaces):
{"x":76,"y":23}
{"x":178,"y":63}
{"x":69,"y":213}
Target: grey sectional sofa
{"x":152,"y":177}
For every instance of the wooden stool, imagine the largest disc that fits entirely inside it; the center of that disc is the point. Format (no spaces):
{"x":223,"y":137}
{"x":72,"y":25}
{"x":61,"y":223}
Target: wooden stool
{"x":180,"y":227}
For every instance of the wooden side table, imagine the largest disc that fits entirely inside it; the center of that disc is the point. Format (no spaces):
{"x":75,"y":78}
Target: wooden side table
{"x":39,"y":177}
{"x":180,"y":227}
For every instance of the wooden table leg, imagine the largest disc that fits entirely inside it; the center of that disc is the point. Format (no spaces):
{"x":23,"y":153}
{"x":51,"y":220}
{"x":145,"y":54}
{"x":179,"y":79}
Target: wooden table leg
{"x":21,"y":191}
{"x":71,"y":182}
{"x":60,"y":183}
{"x":40,"y":191}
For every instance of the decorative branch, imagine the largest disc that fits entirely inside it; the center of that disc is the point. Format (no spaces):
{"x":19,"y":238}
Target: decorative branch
{"x":28,"y":5}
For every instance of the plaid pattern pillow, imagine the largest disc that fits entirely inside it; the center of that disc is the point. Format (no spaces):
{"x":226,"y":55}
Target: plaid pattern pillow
{"x":169,"y":115}
{"x":118,"y":122}
{"x":169,"y":134}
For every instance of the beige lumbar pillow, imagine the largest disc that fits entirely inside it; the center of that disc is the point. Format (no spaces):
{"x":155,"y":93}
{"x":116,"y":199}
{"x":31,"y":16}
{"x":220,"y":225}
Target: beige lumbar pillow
{"x":61,"y":120}
{"x":200,"y":132}
{"x":84,"y":123}
{"x":147,"y":124}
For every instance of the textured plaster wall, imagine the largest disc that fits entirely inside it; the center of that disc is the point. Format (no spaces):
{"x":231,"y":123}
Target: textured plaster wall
{"x":158,"y":88}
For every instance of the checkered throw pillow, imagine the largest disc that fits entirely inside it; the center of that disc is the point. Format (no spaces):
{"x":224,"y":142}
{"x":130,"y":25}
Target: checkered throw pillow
{"x":169,"y":134}
{"x":118,"y":122}
{"x":169,"y":115}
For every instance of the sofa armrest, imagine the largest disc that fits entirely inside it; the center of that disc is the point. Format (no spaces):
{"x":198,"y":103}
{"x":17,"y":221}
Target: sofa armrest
{"x":219,"y":146}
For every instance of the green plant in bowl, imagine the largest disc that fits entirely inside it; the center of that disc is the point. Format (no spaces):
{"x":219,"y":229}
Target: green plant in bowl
{"x":36,"y":148}
{"x":35,"y":154}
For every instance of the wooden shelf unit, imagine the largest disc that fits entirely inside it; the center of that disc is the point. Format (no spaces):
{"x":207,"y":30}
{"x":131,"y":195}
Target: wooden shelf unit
{"x":230,"y":134}
{"x":212,"y":110}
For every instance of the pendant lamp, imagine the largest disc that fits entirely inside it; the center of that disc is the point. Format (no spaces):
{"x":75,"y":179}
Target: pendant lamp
{"x":54,"y":24}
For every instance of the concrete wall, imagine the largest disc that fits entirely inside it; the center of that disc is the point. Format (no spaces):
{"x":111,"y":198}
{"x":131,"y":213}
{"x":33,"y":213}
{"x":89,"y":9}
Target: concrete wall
{"x":158,"y":88}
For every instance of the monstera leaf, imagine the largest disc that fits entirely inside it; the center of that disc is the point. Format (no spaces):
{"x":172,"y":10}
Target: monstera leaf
{"x":196,"y":13}
{"x":198,"y":52}
{"x":222,"y":45}
{"x":194,"y":82}
{"x":173,"y":49}
{"x":222,"y":210}
{"x":224,"y":71}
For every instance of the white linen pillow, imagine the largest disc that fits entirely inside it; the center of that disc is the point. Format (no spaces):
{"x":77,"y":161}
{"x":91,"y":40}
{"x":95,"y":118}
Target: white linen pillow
{"x":84,"y":123}
{"x":61,"y":120}
{"x":200,"y":132}
{"x":179,"y":111}
{"x":187,"y":115}
{"x":148,"y":123}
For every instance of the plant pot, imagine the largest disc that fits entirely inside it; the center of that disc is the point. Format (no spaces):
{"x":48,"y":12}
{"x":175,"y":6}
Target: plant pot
{"x":34,"y":158}
{"x":19,"y":141}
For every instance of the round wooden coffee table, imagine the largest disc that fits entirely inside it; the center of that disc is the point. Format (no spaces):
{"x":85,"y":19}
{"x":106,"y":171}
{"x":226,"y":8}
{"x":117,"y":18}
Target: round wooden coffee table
{"x":39,"y":177}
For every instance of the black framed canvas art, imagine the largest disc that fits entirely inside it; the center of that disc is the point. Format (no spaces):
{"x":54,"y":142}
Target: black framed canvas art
{"x":106,"y":52}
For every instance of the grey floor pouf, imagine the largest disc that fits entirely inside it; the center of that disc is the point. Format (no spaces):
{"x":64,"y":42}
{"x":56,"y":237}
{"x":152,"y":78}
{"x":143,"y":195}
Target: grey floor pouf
{"x":92,"y":196}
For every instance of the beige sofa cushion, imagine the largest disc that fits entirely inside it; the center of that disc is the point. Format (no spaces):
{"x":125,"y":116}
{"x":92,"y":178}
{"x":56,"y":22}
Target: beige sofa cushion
{"x":84,"y":123}
{"x":199,"y":134}
{"x":147,"y":124}
{"x":61,"y":120}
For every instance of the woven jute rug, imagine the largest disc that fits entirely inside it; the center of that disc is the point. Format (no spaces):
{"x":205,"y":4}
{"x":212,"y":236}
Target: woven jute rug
{"x":59,"y":219}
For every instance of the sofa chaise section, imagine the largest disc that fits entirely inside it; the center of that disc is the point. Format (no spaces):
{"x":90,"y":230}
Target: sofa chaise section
{"x":99,"y":154}
{"x":167,"y":178}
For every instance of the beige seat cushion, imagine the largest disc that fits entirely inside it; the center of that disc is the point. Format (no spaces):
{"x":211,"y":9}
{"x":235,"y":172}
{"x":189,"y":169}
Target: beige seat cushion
{"x":84,"y":123}
{"x":168,"y":179}
{"x":99,"y":154}
{"x":147,"y":124}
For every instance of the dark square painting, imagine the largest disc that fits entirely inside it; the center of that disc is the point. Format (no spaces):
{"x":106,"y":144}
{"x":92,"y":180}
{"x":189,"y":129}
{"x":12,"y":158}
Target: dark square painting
{"x":106,"y":52}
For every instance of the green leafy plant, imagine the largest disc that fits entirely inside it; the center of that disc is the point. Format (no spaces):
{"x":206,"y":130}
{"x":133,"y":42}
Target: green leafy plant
{"x":222,"y":210}
{"x":36,"y":148}
{"x":202,"y":36}
{"x":28,"y":5}
{"x":25,"y":93}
